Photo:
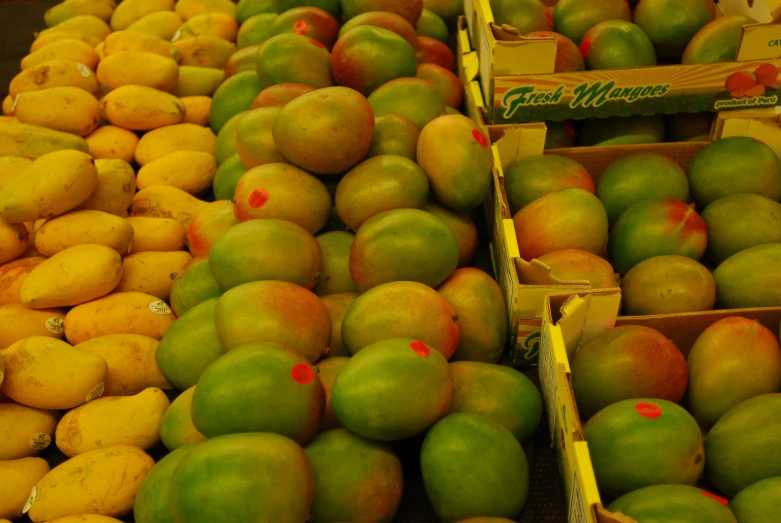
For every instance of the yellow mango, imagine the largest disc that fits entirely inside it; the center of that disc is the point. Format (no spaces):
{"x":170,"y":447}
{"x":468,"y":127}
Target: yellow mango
{"x":20,"y":322}
{"x":118,"y":313}
{"x":64,"y":49}
{"x":177,"y":428}
{"x":69,"y":8}
{"x":182,"y":137}
{"x":12,"y":275}
{"x":67,"y":109}
{"x":19,"y":478}
{"x":130,"y":11}
{"x":142,"y":108}
{"x":188,"y":9}
{"x":73,"y":276}
{"x":115,"y":188}
{"x":81,"y":24}
{"x":84,"y":227}
{"x":132,"y":41}
{"x":162,"y":24}
{"x":8,"y":106}
{"x":14,"y":240}
{"x":42,"y":41}
{"x":113,"y":421}
{"x":32,"y":141}
{"x":84,"y":518}
{"x":198,"y":81}
{"x":54,"y":184}
{"x":190,"y":171}
{"x":197,"y":109}
{"x":205,"y":51}
{"x":137,"y":68}
{"x":165,"y":201}
{"x":57,"y":73}
{"x":152,"y":272}
{"x":99,"y":50}
{"x":212,"y":24}
{"x":102,"y":481}
{"x":25,"y":431}
{"x":155,"y":235}
{"x":110,"y":142}
{"x":11,"y":167}
{"x":45,"y":373}
{"x":131,"y":363}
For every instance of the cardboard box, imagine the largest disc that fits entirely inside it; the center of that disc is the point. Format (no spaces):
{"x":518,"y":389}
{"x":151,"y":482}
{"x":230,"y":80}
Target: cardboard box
{"x":519,"y":84}
{"x":572,"y":319}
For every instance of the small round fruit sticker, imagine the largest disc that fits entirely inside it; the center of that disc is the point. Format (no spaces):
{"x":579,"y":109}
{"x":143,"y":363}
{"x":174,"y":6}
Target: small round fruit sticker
{"x":585,"y":47}
{"x":258,"y":198}
{"x":83,"y":70}
{"x":420,"y":348}
{"x":715,"y":497}
{"x":480,"y":138}
{"x":548,"y":17}
{"x":303,"y":373}
{"x":55,"y":325}
{"x":160,"y":307}
{"x":315,"y":42}
{"x":40,"y":441}
{"x":96,"y":392}
{"x":648,"y":410}
{"x":300,"y":27}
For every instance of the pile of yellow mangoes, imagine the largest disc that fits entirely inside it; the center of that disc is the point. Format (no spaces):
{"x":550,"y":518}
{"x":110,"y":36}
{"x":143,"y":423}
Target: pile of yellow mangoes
{"x":109,"y":113}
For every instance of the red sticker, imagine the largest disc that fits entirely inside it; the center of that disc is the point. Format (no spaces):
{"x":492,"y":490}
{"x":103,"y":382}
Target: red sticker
{"x":258,"y":198}
{"x":585,"y":46}
{"x":303,"y":373}
{"x":549,"y":17}
{"x":315,"y":42}
{"x":420,"y":348}
{"x":568,"y":127}
{"x":300,"y":27}
{"x":715,"y":497}
{"x":648,"y":410}
{"x":480,"y":138}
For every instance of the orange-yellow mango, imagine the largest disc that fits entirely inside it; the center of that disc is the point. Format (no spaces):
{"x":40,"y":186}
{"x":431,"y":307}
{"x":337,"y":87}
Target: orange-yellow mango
{"x":182,"y":137}
{"x":137,"y":68}
{"x":188,"y":9}
{"x":156,"y":234}
{"x":165,"y":201}
{"x":81,"y":24}
{"x":67,"y":109}
{"x":110,"y":142}
{"x":57,"y":73}
{"x":69,"y":8}
{"x":12,"y":275}
{"x":152,"y":272}
{"x":19,"y":478}
{"x":190,"y":171}
{"x":46,"y":39}
{"x":130,"y":11}
{"x":141,"y":108}
{"x":84,"y":227}
{"x":198,"y":81}
{"x":64,"y":49}
{"x":11,"y":167}
{"x":14,"y":240}
{"x":162,"y":24}
{"x":33,"y":141}
{"x":20,"y":322}
{"x":205,"y":51}
{"x":218,"y":24}
{"x":133,"y":41}
{"x":25,"y":431}
{"x":197,"y":109}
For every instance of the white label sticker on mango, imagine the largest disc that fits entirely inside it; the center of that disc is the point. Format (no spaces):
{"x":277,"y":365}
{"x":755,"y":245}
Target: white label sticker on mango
{"x":30,"y":501}
{"x":177,"y":35}
{"x":159,"y":307}
{"x":83,"y":70}
{"x":55,"y":325}
{"x":16,"y":101}
{"x":96,"y":392}
{"x":40,"y":441}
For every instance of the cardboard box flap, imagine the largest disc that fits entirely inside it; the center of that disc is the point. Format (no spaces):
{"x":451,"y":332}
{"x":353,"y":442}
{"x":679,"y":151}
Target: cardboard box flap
{"x":763,"y":11}
{"x":521,"y":142}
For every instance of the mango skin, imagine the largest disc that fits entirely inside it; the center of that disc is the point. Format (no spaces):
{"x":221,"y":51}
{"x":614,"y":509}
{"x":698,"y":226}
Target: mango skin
{"x":162,"y":24}
{"x":73,"y":276}
{"x":141,"y":108}
{"x":227,"y":177}
{"x":60,"y":34}
{"x":182,"y":137}
{"x":401,"y":310}
{"x":673,"y":503}
{"x":120,"y":313}
{"x":661,"y":449}
{"x":114,"y":189}
{"x":22,"y":425}
{"x":740,"y":221}
{"x":57,"y":73}
{"x":110,"y":142}
{"x":497,"y":484}
{"x":208,"y":225}
{"x":83,"y":227}
{"x":130,"y":359}
{"x":69,"y":8}
{"x":22,"y":322}
{"x":717,"y":41}
{"x":156,"y":234}
{"x":205,"y":51}
{"x":335,"y":271}
{"x":190,"y":171}
{"x":254,"y":32}
{"x":568,"y":265}
{"x":526,"y":15}
{"x":197,"y":109}
{"x":412,"y":389}
{"x":193,"y":284}
{"x":11,"y":167}
{"x":328,"y":370}
{"x":275,"y":312}
{"x":748,"y":278}
{"x":732,"y":360}
{"x":137,"y":68}
{"x":87,"y":484}
{"x":166,"y":201}
{"x":151,"y":504}
{"x":573,"y":20}
{"x":68,"y":377}
{"x":128,"y":13}
{"x":152,"y":272}
{"x":189,"y":9}
{"x":528,"y":179}
{"x":130,"y":41}
{"x":33,"y":141}
{"x":176,"y":428}
{"x":12,"y":275}
{"x":64,"y":49}
{"x":394,"y":134}
{"x":227,"y":144}
{"x":242,"y":60}
{"x":758,"y":502}
{"x":176,"y":357}
{"x":54,"y":184}
{"x":370,"y":481}
{"x":254,"y":141}
{"x":66,"y":108}
{"x":232,"y":97}
{"x":14,"y":240}
{"x":413,"y":98}
{"x":222,"y":25}
{"x":739,"y":446}
{"x":293,"y":58}
{"x":20,"y":476}
{"x":280,"y":482}
{"x":617,"y":44}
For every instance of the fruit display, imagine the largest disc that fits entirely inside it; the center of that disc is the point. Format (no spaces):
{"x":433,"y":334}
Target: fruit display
{"x":675,"y":240}
{"x":237,"y":262}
